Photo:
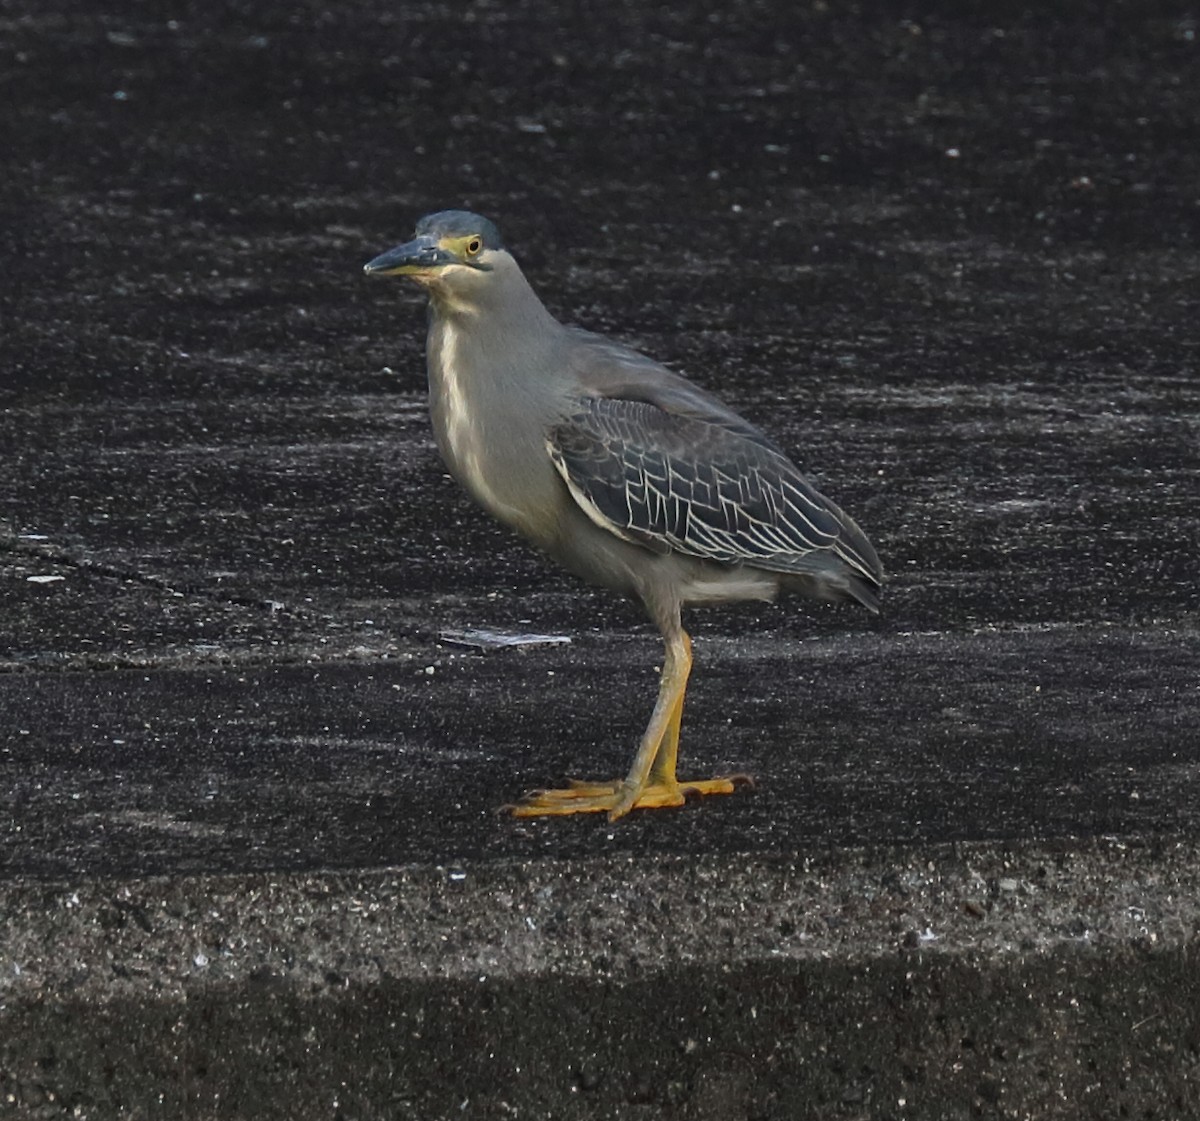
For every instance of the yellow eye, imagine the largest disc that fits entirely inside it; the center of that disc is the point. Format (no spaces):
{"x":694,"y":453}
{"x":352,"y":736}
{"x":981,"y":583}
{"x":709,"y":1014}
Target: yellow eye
{"x":474,"y":246}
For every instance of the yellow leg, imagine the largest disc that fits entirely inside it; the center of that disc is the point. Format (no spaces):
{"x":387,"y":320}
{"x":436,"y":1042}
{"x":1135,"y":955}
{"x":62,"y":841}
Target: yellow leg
{"x":651,"y":780}
{"x":662,"y":772}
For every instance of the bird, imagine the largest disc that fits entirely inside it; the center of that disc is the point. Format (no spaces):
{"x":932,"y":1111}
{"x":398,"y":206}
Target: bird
{"x":626,"y":473}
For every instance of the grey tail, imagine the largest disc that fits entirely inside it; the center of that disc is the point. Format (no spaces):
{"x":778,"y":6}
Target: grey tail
{"x":863,"y":592}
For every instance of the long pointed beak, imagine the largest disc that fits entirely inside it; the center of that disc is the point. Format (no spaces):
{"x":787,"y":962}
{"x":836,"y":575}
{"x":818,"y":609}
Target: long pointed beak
{"x":422,"y":255}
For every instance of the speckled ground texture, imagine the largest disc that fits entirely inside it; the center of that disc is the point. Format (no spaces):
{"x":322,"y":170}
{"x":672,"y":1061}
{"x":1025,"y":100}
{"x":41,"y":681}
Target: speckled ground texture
{"x":250,"y":864}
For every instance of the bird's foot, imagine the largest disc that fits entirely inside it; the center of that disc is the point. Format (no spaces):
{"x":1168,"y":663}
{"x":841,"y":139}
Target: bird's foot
{"x":617,"y":798}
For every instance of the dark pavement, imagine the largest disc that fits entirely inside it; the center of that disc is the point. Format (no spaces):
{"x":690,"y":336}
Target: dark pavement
{"x":949,"y":261}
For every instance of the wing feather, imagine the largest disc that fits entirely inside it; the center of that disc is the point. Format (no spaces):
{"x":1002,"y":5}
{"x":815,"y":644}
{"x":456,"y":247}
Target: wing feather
{"x":680,"y":483}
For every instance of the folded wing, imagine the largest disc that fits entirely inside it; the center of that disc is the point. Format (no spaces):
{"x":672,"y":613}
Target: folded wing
{"x":698,"y":486}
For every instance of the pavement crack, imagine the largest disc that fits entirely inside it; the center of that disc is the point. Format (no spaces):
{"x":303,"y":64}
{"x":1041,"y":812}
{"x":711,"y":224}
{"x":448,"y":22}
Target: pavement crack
{"x":309,"y":635}
{"x":28,"y":547}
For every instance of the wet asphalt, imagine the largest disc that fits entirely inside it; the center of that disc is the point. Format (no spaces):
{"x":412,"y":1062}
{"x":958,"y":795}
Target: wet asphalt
{"x":949,"y":261}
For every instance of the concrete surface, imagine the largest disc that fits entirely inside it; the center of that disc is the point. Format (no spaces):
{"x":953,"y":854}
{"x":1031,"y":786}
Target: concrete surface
{"x":250,"y":864}
{"x":949,"y":982}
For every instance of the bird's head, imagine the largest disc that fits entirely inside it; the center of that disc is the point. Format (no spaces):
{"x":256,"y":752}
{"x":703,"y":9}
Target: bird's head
{"x":452,"y":253}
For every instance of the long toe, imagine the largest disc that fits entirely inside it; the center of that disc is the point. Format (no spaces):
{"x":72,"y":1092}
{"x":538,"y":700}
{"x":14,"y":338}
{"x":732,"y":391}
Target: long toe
{"x":578,"y":798}
{"x":726,"y":784}
{"x":617,"y":799}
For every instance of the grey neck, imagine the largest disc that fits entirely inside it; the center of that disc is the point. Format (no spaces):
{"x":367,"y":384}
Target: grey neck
{"x":502,"y":304}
